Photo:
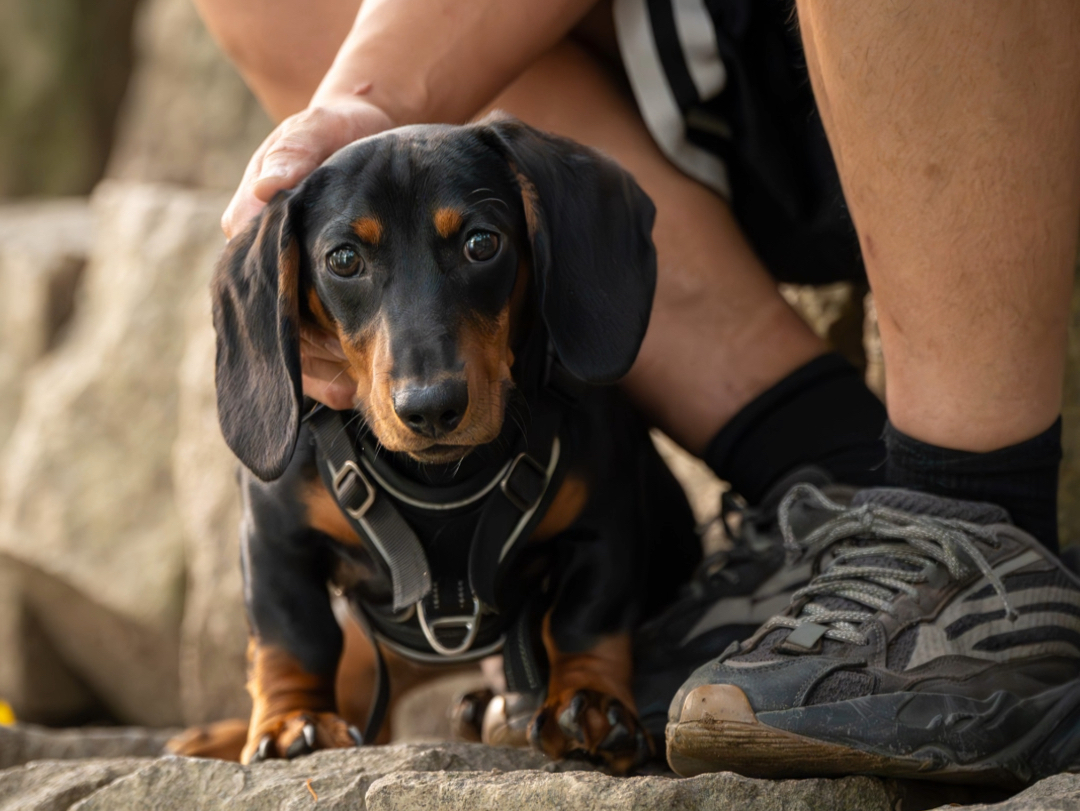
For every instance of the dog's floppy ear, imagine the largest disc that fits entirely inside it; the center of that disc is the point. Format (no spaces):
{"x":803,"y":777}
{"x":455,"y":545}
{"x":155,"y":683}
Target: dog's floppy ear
{"x":590,"y":225}
{"x":256,"y":315}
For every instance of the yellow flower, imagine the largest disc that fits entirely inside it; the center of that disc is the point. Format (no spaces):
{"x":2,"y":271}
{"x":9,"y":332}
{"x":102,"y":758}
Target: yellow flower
{"x":7,"y":715}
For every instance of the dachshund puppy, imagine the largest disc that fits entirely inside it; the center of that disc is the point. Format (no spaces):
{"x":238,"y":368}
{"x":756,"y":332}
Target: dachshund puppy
{"x":487,"y":493}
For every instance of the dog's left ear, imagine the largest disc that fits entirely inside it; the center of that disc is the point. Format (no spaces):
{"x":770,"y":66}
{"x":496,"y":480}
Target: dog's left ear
{"x":255,"y":293}
{"x":590,"y":225}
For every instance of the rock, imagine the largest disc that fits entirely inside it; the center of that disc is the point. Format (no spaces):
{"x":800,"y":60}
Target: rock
{"x":23,"y":743}
{"x":188,"y":117}
{"x":57,"y":785}
{"x":87,"y":506}
{"x":213,"y":637}
{"x":835,"y":313}
{"x":339,"y":778}
{"x":539,"y":791}
{"x":424,"y":777}
{"x":1058,"y":793}
{"x":43,"y":250}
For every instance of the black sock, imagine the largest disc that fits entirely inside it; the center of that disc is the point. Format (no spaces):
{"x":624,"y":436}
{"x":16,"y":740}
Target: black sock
{"x":821,"y":414}
{"x":1021,"y":478}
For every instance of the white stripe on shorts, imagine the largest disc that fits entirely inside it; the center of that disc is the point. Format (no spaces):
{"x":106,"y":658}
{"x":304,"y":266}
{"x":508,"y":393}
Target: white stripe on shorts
{"x":655,"y":98}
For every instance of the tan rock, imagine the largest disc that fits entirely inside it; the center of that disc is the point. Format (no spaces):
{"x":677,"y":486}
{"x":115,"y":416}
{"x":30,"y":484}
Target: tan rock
{"x":188,"y":118}
{"x":86,"y":481}
{"x":43,"y":250}
{"x":214,"y":630}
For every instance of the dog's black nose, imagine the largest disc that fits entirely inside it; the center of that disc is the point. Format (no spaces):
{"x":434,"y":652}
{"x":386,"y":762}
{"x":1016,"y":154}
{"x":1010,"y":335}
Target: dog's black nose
{"x":433,"y":411}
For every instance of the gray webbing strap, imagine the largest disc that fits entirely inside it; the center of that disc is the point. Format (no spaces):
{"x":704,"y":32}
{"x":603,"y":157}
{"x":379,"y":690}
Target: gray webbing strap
{"x":370,"y":511}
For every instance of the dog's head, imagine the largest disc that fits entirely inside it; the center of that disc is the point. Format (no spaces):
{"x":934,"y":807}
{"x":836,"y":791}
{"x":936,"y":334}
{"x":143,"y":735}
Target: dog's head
{"x":425,"y":249}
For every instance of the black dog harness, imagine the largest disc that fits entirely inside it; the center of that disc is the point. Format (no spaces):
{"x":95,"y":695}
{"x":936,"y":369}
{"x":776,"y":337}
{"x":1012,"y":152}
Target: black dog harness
{"x":448,"y":548}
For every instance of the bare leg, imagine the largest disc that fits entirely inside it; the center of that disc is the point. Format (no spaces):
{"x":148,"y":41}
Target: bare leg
{"x":956,"y":130}
{"x":720,"y":332}
{"x":251,"y":33}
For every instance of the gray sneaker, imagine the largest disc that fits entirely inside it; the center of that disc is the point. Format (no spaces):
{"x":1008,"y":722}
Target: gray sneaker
{"x":936,"y":641}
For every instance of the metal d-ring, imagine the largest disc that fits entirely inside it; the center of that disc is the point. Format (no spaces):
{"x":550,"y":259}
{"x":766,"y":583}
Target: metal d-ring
{"x":470,"y":624}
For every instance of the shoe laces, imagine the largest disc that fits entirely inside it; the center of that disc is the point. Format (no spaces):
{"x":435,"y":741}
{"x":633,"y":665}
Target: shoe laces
{"x":748,"y":537}
{"x":920,"y":544}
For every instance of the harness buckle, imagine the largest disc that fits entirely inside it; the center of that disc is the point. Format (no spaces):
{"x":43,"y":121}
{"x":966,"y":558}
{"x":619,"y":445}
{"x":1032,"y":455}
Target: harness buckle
{"x":347,"y":481}
{"x":524,"y":482}
{"x":471,"y":624}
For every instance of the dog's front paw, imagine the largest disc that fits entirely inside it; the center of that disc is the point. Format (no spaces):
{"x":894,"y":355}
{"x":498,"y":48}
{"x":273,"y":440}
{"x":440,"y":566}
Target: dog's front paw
{"x":299,"y":733}
{"x":592,"y":725}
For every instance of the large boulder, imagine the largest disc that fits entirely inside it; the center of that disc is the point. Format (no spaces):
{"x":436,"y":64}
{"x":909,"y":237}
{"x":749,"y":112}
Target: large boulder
{"x":188,"y":118}
{"x":88,"y":511}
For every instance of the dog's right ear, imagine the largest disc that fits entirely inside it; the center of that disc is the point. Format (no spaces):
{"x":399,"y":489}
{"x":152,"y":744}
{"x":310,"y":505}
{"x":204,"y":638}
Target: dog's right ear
{"x":257,"y":318}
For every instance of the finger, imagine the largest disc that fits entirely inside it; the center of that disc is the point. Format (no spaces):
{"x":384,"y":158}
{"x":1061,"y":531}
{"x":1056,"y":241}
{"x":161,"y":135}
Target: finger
{"x":336,"y":395}
{"x":321,"y":344}
{"x":306,"y":140}
{"x":244,"y":205}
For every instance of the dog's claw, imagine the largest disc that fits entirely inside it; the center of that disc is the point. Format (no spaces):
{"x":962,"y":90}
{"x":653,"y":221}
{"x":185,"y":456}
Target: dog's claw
{"x":536,"y":741}
{"x":309,"y":736}
{"x":298,"y":747}
{"x":263,"y":752}
{"x":354,"y":733}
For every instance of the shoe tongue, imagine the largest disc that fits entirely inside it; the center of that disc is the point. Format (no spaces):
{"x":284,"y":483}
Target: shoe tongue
{"x":912,"y":501}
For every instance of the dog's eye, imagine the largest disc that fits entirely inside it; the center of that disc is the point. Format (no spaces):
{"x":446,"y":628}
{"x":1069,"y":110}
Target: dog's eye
{"x":344,"y":261}
{"x":481,"y":246}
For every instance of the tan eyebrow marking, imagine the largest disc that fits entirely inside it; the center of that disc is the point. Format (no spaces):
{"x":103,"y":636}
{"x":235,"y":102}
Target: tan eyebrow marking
{"x":368,"y":229}
{"x":447,"y":221}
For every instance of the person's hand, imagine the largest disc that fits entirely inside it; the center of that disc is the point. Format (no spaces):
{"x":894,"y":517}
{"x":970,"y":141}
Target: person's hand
{"x":295,"y":149}
{"x":289,"y":154}
{"x":325,"y":369}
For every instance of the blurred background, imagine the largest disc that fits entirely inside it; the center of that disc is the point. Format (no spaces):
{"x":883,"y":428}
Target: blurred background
{"x":123,"y":130}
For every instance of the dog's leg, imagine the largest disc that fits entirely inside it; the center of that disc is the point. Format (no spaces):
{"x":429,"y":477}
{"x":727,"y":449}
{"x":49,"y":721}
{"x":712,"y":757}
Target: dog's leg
{"x":589,"y":711}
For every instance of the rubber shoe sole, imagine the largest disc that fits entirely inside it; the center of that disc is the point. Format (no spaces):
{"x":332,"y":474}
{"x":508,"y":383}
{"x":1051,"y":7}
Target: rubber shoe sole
{"x":718,"y":730}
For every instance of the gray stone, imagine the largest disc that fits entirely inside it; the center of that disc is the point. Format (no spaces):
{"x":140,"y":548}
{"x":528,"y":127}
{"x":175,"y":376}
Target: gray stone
{"x":340,"y":779}
{"x":52,"y":785}
{"x":23,"y":743}
{"x":1058,"y":793}
{"x":422,"y":777}
{"x":539,"y":791}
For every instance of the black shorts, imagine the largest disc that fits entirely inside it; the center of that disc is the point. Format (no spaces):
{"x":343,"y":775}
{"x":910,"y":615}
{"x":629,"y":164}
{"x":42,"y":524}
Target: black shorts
{"x":723,"y":88}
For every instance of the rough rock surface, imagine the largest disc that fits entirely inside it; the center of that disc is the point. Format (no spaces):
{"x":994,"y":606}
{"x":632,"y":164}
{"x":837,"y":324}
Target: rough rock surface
{"x":188,"y":117}
{"x":27,"y":742}
{"x":541,"y":791}
{"x":407,"y":776}
{"x":213,"y":635}
{"x":87,"y":505}
{"x":423,"y":777}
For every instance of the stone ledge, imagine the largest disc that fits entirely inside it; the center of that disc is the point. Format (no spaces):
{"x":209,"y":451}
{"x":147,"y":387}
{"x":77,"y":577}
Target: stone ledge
{"x":424,"y":777}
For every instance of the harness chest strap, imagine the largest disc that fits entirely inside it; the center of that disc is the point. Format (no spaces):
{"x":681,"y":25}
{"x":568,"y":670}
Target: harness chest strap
{"x":371,"y":512}
{"x":511,"y":508}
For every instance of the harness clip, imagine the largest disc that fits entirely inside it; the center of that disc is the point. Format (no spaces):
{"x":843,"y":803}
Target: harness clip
{"x":348,"y":480}
{"x":471,"y":624}
{"x":524,"y":482}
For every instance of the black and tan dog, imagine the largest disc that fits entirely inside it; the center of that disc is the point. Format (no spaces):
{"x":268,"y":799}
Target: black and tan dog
{"x":486,"y":494}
